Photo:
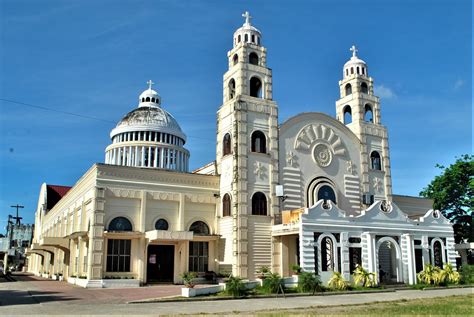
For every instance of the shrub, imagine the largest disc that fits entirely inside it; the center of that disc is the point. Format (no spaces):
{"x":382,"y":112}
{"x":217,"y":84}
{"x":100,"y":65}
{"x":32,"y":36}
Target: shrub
{"x":308,"y":282}
{"x":363,"y":277}
{"x":188,"y":279}
{"x":338,"y":282}
{"x":467,"y":274}
{"x":451,"y":276}
{"x":263,"y":272}
{"x":428,"y":275}
{"x":272,"y":282}
{"x":235,"y":287}
{"x":296,"y":269}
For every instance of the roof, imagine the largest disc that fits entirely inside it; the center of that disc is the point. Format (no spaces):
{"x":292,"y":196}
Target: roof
{"x":54,"y":193}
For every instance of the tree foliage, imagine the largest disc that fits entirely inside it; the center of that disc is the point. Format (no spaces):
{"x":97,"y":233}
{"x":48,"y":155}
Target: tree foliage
{"x":452,"y":192}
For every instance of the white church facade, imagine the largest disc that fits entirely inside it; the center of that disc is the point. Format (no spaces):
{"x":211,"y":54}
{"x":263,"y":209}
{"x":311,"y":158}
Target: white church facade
{"x":314,"y":191}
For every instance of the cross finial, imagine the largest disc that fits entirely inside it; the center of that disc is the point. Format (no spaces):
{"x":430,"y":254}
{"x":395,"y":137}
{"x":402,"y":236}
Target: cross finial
{"x":354,"y":50}
{"x":247,"y":17}
{"x":149,"y":84}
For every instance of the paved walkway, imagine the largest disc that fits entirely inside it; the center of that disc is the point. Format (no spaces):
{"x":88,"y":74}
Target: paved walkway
{"x":43,"y":297}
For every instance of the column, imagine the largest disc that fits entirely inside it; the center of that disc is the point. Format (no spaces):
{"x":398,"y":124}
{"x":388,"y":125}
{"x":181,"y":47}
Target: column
{"x":129,"y":162}
{"x":408,"y":259}
{"x":345,"y":264}
{"x":181,"y":213}
{"x":162,"y":158}
{"x":369,"y":260}
{"x":142,"y":163}
{"x":149,"y":156}
{"x":136,"y":156}
{"x":155,"y":164}
{"x":450,"y":251}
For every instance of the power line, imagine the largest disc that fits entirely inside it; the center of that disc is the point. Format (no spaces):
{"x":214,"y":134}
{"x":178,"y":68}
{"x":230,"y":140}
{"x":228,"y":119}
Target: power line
{"x":77,"y":114}
{"x":55,"y":110}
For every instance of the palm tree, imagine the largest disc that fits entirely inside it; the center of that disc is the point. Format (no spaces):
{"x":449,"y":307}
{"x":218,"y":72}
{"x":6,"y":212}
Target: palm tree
{"x":364,"y":277}
{"x":338,"y":282}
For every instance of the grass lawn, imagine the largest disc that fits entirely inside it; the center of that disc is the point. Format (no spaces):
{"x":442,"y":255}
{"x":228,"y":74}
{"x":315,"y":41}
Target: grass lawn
{"x":438,"y":306}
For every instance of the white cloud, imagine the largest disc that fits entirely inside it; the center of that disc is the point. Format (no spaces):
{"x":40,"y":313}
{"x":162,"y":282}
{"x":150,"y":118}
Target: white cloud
{"x":384,"y":92}
{"x":458,"y":84}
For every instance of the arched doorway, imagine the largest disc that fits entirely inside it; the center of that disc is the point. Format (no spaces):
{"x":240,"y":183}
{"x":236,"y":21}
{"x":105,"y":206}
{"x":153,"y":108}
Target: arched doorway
{"x":389,"y":261}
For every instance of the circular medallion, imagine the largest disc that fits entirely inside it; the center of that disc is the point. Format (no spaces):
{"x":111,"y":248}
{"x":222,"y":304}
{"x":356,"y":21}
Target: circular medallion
{"x":322,"y":154}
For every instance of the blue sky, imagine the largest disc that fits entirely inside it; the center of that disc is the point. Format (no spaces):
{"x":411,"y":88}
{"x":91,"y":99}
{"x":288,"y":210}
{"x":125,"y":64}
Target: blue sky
{"x":93,"y":58}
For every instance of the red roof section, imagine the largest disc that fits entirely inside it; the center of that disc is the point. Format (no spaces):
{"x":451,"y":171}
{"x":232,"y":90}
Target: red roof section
{"x":54,"y":193}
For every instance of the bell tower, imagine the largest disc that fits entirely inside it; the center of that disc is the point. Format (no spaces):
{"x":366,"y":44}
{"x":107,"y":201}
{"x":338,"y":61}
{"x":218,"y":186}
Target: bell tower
{"x":247,"y":154}
{"x":359,"y":109}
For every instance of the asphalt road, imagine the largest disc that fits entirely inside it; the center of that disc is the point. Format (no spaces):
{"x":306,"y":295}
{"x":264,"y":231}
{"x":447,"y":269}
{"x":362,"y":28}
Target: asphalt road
{"x":29,"y":297}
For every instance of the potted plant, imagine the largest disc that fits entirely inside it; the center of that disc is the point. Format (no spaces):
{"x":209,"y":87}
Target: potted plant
{"x":263,"y":272}
{"x":188,"y":279}
{"x":296,"y":269}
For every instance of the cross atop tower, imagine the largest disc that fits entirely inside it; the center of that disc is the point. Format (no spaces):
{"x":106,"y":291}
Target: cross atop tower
{"x":150,"y":83}
{"x":247,"y":17}
{"x":354,"y":50}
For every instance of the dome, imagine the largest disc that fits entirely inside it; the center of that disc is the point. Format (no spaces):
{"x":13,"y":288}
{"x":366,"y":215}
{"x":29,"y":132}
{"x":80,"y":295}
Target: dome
{"x":146,"y":118}
{"x":148,"y":137}
{"x":247,"y":33}
{"x":355,"y":66}
{"x":149,"y":98}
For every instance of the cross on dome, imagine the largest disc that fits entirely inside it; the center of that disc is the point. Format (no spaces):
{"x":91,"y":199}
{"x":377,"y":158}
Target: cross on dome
{"x":247,"y":17}
{"x":354,"y":50}
{"x":149,"y":84}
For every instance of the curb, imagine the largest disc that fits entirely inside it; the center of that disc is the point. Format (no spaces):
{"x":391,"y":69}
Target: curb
{"x":216,"y":298}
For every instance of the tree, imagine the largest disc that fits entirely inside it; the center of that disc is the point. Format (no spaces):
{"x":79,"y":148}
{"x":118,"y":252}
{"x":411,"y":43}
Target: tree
{"x":452,"y":192}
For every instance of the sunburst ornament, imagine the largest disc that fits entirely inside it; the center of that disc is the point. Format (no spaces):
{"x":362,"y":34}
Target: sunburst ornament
{"x":321,"y":141}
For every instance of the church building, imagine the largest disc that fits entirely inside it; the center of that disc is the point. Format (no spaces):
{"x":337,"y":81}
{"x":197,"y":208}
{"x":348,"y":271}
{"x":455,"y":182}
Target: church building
{"x":314,"y":191}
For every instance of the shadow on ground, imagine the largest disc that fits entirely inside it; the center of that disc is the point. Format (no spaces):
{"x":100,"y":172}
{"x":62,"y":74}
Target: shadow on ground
{"x":15,"y":297}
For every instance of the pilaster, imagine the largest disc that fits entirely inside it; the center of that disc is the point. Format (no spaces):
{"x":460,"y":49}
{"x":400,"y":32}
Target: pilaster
{"x":96,"y":236}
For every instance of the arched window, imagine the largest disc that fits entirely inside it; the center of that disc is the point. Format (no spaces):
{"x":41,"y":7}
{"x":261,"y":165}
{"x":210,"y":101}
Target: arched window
{"x":327,"y":254}
{"x":327,"y":193}
{"x":143,"y":99}
{"x":358,"y":70}
{"x":253,"y":58}
{"x":226,"y":205}
{"x":255,"y":87}
{"x":226,"y":145}
{"x":259,"y":204}
{"x":239,"y":38}
{"x":231,"y":88}
{"x":347,"y":72}
{"x":147,"y":99}
{"x":152,"y":99}
{"x":348,"y":89}
{"x":364,"y":89}
{"x":120,"y":224}
{"x":259,"y":142}
{"x":375,"y":161}
{"x":258,"y":40}
{"x":246,"y":38}
{"x":352,"y":70}
{"x":363,"y":70}
{"x":161,"y":224}
{"x":199,"y":228}
{"x":438,"y":254}
{"x":347,"y":115}
{"x":235,"y":59}
{"x":253,"y":38}
{"x":368,"y":115}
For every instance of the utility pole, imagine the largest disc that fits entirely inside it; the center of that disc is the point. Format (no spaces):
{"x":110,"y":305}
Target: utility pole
{"x":18,"y":218}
